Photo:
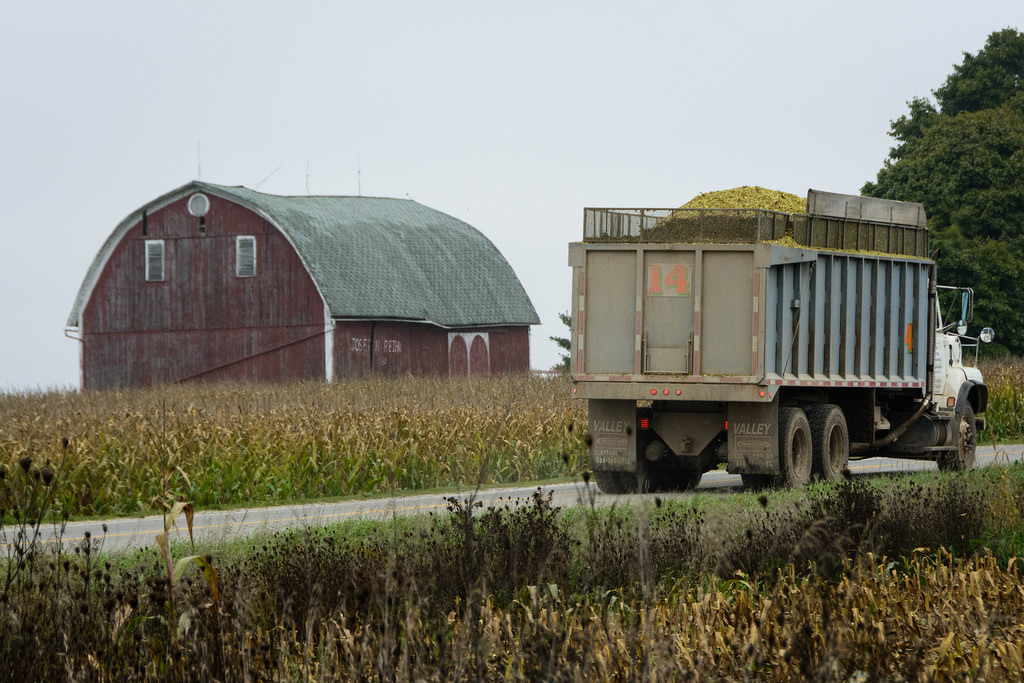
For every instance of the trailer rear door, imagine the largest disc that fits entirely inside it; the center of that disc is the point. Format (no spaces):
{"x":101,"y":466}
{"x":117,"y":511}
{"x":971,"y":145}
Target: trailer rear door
{"x":729,"y":308}
{"x":610,"y":313}
{"x":668,"y":312}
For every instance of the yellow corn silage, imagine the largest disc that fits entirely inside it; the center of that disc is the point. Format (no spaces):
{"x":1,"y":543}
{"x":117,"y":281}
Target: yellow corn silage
{"x":748,"y":197}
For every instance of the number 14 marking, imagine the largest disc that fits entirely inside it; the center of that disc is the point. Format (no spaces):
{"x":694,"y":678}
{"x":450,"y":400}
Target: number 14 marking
{"x":667,"y":280}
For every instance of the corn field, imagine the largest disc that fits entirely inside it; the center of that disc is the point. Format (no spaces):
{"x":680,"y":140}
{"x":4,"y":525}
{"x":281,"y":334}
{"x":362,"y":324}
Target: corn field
{"x":122,"y":452}
{"x":223,"y":445}
{"x":1005,"y":382}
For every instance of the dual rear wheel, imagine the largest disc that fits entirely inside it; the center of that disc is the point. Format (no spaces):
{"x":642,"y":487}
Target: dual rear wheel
{"x":830,"y":442}
{"x":812,"y":442}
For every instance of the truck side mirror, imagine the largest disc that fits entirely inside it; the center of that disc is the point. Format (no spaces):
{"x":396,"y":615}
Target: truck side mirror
{"x":966,"y":305}
{"x":987,"y":335}
{"x":961,"y":327}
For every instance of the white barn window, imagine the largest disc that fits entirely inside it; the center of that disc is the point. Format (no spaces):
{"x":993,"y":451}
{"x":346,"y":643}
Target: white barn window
{"x":245,"y":256}
{"x":154,"y":260}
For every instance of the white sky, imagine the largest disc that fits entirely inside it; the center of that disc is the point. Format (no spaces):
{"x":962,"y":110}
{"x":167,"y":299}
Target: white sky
{"x":511,"y":116}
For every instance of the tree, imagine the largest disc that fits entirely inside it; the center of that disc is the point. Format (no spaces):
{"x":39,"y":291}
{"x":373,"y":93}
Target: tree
{"x":985,"y":80}
{"x":963,"y":158}
{"x":564,"y":343}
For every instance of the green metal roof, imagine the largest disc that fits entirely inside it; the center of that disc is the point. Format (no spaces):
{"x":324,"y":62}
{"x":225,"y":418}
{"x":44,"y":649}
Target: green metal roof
{"x":378,"y":258}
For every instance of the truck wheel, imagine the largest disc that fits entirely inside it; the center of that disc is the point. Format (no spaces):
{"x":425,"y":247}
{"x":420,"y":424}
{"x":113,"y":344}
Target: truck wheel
{"x":962,"y":458}
{"x":794,"y":448}
{"x":830,"y":441}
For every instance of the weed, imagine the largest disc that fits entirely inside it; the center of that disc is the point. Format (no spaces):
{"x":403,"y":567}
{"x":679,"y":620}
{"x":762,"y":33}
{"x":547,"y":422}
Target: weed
{"x":525,"y":590}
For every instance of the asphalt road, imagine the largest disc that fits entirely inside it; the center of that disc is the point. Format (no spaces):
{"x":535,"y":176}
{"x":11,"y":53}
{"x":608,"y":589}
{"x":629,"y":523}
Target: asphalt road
{"x":129,"y":533}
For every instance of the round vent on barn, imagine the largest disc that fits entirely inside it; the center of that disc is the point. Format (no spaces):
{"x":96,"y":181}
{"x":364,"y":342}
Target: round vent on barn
{"x":198,"y":204}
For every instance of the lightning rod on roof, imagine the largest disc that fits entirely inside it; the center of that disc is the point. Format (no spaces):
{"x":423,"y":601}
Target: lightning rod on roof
{"x":267,"y":178}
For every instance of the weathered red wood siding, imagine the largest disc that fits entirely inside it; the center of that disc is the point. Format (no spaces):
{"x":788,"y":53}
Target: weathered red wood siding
{"x":509,"y":349}
{"x":202,"y":322}
{"x":362,"y":348}
{"x":365,"y":347}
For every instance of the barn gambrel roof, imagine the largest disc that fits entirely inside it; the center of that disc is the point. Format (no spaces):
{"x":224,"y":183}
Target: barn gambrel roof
{"x":373,"y":258}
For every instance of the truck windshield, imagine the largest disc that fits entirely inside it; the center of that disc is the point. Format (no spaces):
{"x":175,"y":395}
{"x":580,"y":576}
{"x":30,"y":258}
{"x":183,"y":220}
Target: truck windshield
{"x":956,"y":305}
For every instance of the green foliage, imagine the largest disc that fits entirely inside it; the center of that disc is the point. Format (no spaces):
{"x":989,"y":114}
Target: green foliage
{"x":963,"y":158}
{"x":995,"y":269}
{"x":985,"y":80}
{"x":564,"y":343}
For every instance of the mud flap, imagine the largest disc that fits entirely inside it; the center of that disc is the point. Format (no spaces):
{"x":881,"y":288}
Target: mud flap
{"x":612,"y":435}
{"x":753,"y":431}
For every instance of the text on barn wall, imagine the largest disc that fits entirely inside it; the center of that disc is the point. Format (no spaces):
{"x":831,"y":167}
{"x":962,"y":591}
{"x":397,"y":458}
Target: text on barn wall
{"x":379,"y":345}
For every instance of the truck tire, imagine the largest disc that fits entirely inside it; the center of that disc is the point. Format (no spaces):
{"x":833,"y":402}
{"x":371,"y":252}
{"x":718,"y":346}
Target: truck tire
{"x":962,"y":458}
{"x":795,"y":453}
{"x":830,"y":441}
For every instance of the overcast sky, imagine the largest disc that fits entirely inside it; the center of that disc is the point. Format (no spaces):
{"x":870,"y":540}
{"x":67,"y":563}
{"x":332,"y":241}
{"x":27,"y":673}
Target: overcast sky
{"x":511,"y":116}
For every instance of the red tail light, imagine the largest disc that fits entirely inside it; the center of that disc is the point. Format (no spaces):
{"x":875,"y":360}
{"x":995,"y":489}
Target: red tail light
{"x":645,"y":423}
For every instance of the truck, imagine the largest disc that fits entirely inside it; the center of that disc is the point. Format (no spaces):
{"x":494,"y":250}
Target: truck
{"x":782,"y":345}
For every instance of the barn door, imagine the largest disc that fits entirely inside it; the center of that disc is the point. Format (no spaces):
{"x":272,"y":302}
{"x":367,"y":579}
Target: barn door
{"x":479,"y":360}
{"x":458,"y":357}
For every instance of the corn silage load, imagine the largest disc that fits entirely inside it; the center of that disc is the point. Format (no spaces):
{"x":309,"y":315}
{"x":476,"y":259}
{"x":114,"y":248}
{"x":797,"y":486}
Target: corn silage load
{"x":734,"y":216}
{"x":748,"y":197}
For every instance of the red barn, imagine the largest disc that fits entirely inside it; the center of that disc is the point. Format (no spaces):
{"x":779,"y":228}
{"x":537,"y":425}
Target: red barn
{"x":225,"y":283}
